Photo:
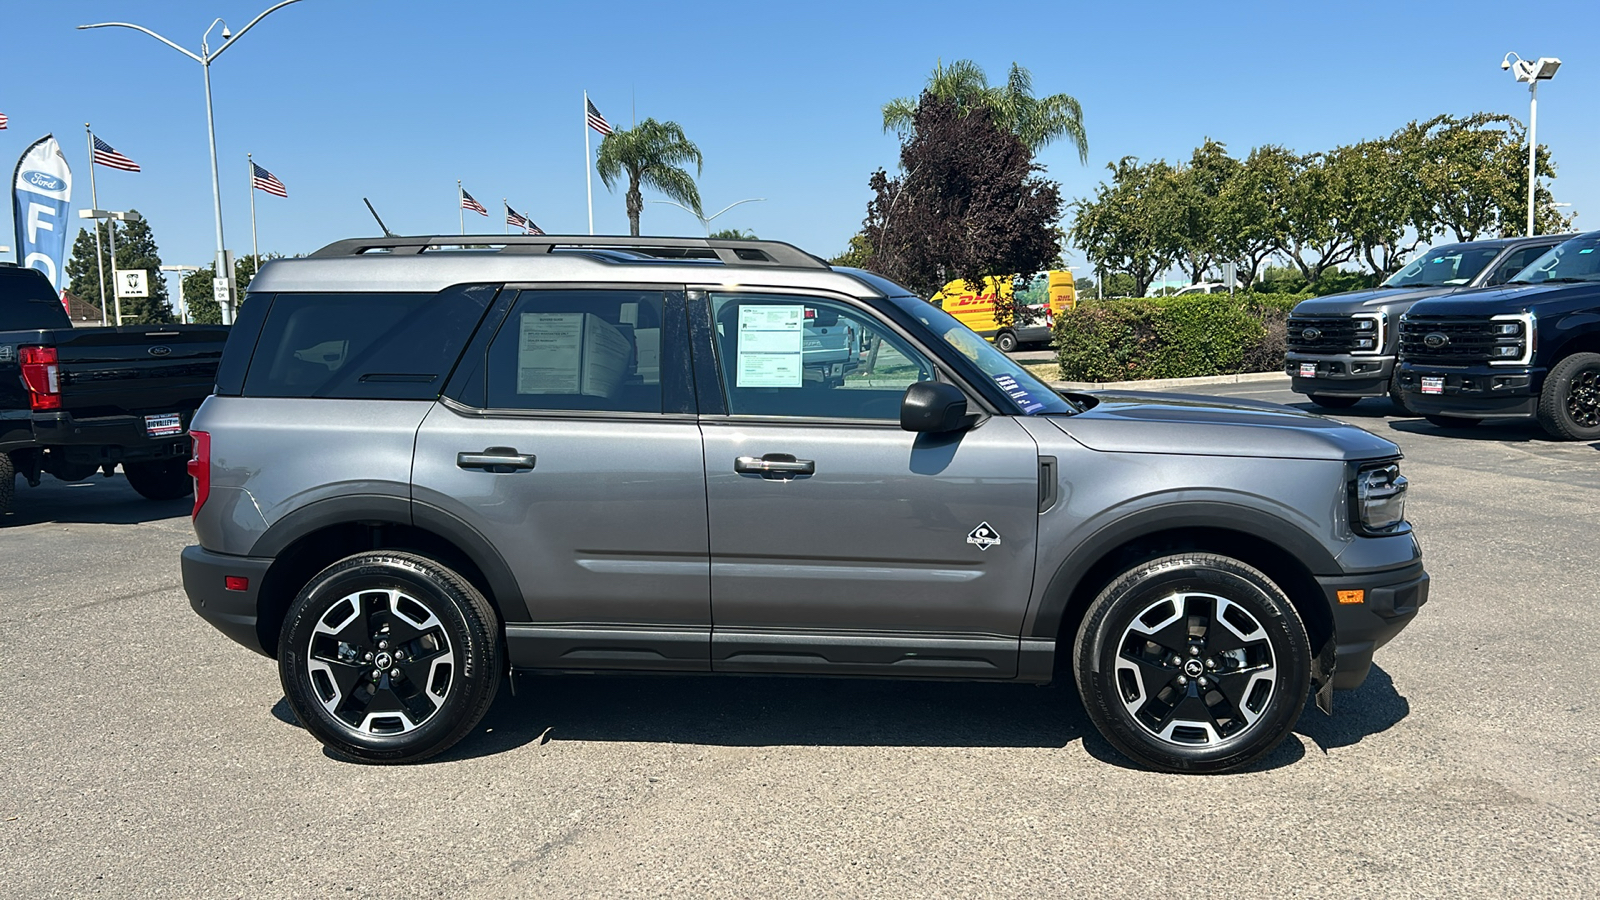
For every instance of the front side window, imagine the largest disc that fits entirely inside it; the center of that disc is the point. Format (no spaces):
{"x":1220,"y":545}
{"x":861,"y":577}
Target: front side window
{"x":804,"y":356}
{"x":1516,"y":261}
{"x":578,"y":350}
{"x":1574,"y":261}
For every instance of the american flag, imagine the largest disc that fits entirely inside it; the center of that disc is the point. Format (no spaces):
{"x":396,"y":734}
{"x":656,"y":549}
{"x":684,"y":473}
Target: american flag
{"x":3,"y":121}
{"x":468,"y":203}
{"x":263,"y":180}
{"x":106,"y":155}
{"x":515,"y":218}
{"x":597,"y":121}
{"x":534,"y":229}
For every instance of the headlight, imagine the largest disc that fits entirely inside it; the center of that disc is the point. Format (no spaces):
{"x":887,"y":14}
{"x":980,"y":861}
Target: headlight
{"x":1515,"y":339}
{"x":1369,"y":332}
{"x":1379,"y":498}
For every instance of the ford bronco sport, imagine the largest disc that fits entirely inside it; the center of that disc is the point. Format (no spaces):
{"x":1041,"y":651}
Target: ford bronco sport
{"x":425,"y":465}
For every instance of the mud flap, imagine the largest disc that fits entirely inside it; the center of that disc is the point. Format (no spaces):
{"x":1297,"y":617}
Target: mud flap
{"x":1322,"y":676}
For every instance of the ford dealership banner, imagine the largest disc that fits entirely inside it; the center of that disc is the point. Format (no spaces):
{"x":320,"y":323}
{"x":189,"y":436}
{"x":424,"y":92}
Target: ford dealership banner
{"x":43,"y":191}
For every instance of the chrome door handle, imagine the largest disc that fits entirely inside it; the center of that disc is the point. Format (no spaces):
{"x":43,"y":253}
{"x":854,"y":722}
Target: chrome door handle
{"x":774,"y":465}
{"x":496,"y":459}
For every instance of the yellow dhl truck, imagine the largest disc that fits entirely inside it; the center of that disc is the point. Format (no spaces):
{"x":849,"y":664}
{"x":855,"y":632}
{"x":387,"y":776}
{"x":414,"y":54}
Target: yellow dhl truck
{"x":1049,"y":294}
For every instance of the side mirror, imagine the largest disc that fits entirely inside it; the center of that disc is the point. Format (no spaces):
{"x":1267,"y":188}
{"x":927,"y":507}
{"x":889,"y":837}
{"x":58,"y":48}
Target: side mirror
{"x":933,"y":407}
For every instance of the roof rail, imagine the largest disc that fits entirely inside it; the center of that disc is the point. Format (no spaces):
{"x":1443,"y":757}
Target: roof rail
{"x":729,"y":252}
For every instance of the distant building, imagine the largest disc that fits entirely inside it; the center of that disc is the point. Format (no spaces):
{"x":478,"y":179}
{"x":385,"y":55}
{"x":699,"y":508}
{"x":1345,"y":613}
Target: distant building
{"x":80,"y":311}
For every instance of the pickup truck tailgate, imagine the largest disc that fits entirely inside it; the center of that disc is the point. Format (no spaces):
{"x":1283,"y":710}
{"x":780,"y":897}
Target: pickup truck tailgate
{"x":138,"y":369}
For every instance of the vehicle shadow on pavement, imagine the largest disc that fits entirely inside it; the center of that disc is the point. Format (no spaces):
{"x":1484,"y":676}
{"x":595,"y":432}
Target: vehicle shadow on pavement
{"x":749,"y":711}
{"x":93,"y":501}
{"x":1373,"y":708}
{"x":1514,"y":431}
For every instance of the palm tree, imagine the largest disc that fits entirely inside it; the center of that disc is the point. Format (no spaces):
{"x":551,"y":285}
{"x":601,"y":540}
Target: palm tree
{"x":1036,"y":121}
{"x":652,"y":154}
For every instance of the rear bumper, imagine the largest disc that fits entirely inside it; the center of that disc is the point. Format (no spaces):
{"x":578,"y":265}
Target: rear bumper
{"x":1474,"y":392}
{"x":1388,"y":602}
{"x":107,"y":439}
{"x":1340,"y":375}
{"x":231,"y":612}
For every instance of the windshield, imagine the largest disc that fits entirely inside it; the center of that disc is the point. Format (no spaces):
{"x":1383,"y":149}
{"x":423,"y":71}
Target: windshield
{"x":1031,"y":395}
{"x":1575,"y":260}
{"x":1451,"y":264}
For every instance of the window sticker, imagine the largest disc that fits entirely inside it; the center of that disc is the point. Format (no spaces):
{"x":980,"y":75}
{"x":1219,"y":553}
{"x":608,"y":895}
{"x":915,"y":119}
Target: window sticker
{"x":771,"y":346}
{"x":570,"y":353}
{"x":1023,"y":397}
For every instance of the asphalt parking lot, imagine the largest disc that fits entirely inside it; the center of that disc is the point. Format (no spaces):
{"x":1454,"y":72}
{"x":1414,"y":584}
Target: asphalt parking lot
{"x":144,"y":754}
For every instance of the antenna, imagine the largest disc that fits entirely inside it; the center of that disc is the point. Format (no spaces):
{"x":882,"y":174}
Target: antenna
{"x":386,"y":231}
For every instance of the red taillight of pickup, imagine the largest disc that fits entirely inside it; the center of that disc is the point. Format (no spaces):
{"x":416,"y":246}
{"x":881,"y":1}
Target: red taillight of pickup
{"x":200,"y":469}
{"x":42,"y":376}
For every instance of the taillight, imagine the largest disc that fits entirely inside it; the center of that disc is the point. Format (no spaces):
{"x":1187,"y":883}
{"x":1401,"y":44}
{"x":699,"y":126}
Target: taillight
{"x":42,"y":376}
{"x":200,"y":469}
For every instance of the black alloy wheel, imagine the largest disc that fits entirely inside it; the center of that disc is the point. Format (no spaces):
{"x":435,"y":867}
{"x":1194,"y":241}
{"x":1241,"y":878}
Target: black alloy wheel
{"x":1569,"y":405}
{"x":1329,"y":401}
{"x":1193,"y":663}
{"x":1398,"y":397}
{"x":389,"y":657}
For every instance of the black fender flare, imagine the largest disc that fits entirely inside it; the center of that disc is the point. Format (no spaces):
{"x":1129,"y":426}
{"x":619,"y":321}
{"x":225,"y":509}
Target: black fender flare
{"x":390,"y":509}
{"x":1290,"y":538}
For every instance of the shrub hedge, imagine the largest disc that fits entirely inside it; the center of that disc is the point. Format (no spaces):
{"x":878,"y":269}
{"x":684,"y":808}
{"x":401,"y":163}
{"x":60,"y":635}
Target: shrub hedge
{"x":1173,"y":337}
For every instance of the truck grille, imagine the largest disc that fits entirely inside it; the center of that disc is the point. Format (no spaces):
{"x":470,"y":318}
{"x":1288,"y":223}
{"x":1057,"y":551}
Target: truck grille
{"x":1447,"y":340}
{"x":1322,"y":334}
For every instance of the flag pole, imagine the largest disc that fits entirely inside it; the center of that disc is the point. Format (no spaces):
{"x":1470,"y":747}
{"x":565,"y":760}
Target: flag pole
{"x":461,"y":205}
{"x":255,"y":252}
{"x":589,"y":181}
{"x":94,"y":203}
{"x":506,"y":228}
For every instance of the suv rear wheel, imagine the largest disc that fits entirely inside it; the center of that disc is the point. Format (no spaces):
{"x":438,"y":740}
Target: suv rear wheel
{"x":1193,"y":663}
{"x":389,"y":657}
{"x":1569,"y":405}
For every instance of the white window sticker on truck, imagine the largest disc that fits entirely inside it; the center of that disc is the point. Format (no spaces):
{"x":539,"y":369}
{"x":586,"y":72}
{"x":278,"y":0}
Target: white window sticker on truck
{"x":771,"y":346}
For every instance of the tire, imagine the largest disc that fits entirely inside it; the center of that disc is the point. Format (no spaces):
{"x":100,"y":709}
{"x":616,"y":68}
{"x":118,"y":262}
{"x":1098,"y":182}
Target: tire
{"x":1569,"y":405}
{"x":1005,"y":342}
{"x":1453,"y":421}
{"x":1398,"y":397}
{"x":8,"y":482}
{"x":413,"y":611}
{"x":1137,"y":640}
{"x":166,"y":479}
{"x":1328,"y":401}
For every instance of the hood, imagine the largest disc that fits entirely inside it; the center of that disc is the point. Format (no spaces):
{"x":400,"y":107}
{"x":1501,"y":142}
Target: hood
{"x":1191,"y":425}
{"x":1381,"y":298}
{"x":1511,"y":298}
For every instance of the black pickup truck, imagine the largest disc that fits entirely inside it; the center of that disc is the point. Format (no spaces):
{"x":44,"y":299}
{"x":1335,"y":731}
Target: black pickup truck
{"x":74,"y":401}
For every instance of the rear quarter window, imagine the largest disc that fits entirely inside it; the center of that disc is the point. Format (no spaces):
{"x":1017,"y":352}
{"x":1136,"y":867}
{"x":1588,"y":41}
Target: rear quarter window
{"x":379,"y":346}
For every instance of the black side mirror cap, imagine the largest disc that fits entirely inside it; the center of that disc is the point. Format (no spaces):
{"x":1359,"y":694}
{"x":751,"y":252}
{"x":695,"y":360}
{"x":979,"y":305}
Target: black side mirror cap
{"x":933,"y":407}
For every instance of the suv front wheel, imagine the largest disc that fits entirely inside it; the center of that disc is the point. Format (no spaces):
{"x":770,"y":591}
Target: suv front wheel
{"x":389,"y":657}
{"x":1193,"y":663}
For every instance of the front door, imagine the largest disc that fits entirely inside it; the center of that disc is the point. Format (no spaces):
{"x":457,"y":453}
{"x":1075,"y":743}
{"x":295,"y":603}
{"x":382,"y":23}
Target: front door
{"x":839,"y":542}
{"x":579,"y":458}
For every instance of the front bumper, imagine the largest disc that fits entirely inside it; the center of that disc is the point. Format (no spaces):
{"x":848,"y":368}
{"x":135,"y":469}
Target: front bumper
{"x":1387,"y":603}
{"x":1340,"y":375}
{"x":1474,"y":392}
{"x":231,"y":612}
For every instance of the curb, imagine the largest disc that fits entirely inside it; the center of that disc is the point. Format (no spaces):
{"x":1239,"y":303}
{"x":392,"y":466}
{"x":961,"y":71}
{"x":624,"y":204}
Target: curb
{"x":1158,"y":383}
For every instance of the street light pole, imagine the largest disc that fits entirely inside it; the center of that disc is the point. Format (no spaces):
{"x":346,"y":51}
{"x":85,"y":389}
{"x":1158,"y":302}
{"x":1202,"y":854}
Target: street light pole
{"x":183,"y":306}
{"x":1533,"y":72}
{"x":205,"y":58}
{"x":705,"y":221}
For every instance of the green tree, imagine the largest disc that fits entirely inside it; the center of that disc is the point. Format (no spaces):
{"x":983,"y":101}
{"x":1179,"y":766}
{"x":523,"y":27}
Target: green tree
{"x":136,"y":249}
{"x":856,"y":254}
{"x":1251,"y":216}
{"x":1130,"y":224}
{"x":1036,"y":121}
{"x":1316,"y":236}
{"x":198,"y":294}
{"x":735,"y":234}
{"x":1197,"y":190}
{"x":652,"y":155}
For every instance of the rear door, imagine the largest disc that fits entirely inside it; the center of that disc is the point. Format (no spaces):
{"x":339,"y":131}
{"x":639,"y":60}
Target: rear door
{"x":840,"y":543}
{"x":570,"y":443}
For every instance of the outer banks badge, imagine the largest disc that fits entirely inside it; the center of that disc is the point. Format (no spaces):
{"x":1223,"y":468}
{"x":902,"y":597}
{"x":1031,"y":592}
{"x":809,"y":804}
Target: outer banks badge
{"x":984,"y":536}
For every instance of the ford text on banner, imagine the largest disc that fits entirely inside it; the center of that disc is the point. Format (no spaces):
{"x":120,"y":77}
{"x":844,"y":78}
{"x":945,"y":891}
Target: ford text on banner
{"x":43,"y":186}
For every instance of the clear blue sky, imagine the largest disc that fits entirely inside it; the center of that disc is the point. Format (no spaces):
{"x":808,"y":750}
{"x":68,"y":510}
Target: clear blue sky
{"x":396,"y":100}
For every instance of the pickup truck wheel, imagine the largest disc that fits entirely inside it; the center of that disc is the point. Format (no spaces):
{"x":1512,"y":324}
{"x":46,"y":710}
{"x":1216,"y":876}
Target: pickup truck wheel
{"x":1452,"y":421}
{"x":1569,"y":405}
{"x":8,"y":482}
{"x":1005,"y":342}
{"x":1328,"y":401}
{"x":166,"y":479}
{"x":1193,"y":663}
{"x":1398,"y":397}
{"x":389,"y":657}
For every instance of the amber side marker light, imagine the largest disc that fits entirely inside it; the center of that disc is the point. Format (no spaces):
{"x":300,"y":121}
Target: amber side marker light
{"x":1349,"y":597}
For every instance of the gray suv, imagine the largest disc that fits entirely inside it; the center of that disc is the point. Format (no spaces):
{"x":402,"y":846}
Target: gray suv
{"x":427,"y":465}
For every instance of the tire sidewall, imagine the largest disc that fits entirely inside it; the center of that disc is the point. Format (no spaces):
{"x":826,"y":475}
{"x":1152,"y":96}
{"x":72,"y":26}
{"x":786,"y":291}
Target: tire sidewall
{"x":1129,"y":595}
{"x":1553,"y":412}
{"x":469,"y":636}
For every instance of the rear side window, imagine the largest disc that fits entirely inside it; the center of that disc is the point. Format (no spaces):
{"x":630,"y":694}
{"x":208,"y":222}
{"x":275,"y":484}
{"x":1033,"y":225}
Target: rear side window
{"x":596,"y":350}
{"x":27,"y":301}
{"x":364,"y":346}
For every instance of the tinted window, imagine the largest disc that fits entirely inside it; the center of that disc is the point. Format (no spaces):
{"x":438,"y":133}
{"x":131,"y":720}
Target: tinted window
{"x":363,"y":346}
{"x":800,"y":356}
{"x":578,"y":350}
{"x":1516,"y":261}
{"x":28,"y":301}
{"x":1574,"y":261}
